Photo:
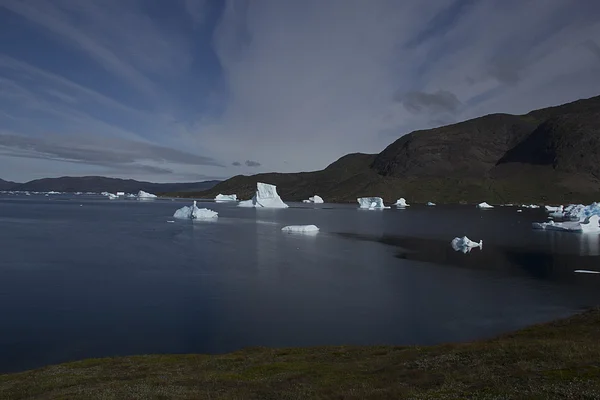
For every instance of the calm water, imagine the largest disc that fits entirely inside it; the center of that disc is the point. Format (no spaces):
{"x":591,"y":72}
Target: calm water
{"x":84,"y":277}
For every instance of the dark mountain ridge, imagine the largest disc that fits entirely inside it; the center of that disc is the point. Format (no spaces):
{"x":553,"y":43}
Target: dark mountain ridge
{"x":548,"y":155}
{"x":103,"y":184}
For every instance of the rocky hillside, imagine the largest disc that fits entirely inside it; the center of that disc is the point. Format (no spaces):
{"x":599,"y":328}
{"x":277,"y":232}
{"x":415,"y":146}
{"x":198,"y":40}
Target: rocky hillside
{"x":547,"y":155}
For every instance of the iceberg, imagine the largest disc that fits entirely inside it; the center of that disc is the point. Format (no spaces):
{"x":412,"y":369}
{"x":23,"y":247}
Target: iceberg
{"x":314,"y":199}
{"x":552,"y":209}
{"x":112,"y":196}
{"x":590,"y":224}
{"x":193,"y":212}
{"x":586,"y":271}
{"x":401,"y":202}
{"x":120,"y":193}
{"x":430,"y":203}
{"x":145,"y":195}
{"x":265,"y":197}
{"x":371,"y":203}
{"x":300,"y":229}
{"x":465,"y":244}
{"x":579,"y":212}
{"x":484,"y":205}
{"x":225,"y":197}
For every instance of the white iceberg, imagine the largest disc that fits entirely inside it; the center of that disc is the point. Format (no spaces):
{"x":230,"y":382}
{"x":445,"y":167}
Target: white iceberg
{"x":112,"y":196}
{"x":401,"y":202}
{"x":586,"y":271}
{"x":519,"y":210}
{"x":145,"y":195}
{"x":530,"y":206}
{"x":484,"y":205}
{"x":371,"y":203}
{"x":552,"y":209}
{"x":50,"y":192}
{"x":316,"y":199}
{"x":300,"y":229}
{"x":579,"y":212}
{"x":193,"y":212}
{"x":430,"y":203}
{"x":265,"y":197}
{"x":590,"y":224}
{"x":225,"y":197}
{"x":465,"y":244}
{"x":120,"y":194}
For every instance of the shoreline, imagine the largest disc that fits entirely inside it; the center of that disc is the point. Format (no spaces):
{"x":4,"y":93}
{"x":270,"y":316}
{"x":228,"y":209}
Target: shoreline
{"x":549,"y":360}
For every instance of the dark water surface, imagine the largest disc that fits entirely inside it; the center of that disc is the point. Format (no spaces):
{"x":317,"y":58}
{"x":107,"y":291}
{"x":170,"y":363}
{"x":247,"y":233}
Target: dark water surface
{"x":85,"y":277}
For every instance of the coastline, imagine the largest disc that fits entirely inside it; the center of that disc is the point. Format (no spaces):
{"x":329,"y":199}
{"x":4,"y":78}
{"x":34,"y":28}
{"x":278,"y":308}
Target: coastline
{"x":558,"y":359}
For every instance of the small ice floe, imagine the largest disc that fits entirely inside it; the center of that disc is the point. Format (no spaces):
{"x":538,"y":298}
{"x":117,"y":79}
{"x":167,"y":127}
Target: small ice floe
{"x":484,"y":205}
{"x":429,"y":203}
{"x":171,"y":222}
{"x":265,"y":197}
{"x":589,"y":225}
{"x":465,"y":244}
{"x":586,"y":271}
{"x":519,"y":210}
{"x":316,"y":199}
{"x":112,"y":196}
{"x":300,"y":229}
{"x":530,"y":206}
{"x":371,"y":203}
{"x":194,"y":212}
{"x":146,"y":196}
{"x":401,"y":202}
{"x":222,"y":198}
{"x":552,"y":209}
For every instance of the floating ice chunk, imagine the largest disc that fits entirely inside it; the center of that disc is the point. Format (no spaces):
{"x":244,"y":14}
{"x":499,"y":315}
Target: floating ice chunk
{"x":225,"y":197}
{"x":519,"y":210}
{"x":465,"y":244}
{"x":589,"y":225}
{"x":194,"y":212}
{"x":579,"y":212}
{"x":112,"y":196}
{"x":530,"y":206}
{"x":171,"y":222}
{"x":265,"y":197}
{"x":430,"y":203}
{"x":300,"y":229}
{"x":401,"y":202}
{"x":371,"y":203}
{"x":552,"y":209}
{"x":484,"y":205}
{"x":586,"y":271}
{"x":314,"y":199}
{"x":145,"y":195}
{"x":50,"y":192}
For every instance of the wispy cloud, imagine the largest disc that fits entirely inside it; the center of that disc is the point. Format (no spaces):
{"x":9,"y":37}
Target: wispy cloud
{"x":294,"y":84}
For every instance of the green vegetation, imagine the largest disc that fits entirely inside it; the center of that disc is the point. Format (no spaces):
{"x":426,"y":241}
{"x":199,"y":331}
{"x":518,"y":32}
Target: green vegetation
{"x":556,"y":360}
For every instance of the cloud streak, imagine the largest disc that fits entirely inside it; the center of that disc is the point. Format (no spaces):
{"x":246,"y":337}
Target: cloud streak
{"x":181,"y":86}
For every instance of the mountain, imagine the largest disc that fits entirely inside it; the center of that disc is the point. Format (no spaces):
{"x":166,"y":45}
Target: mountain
{"x":548,"y":155}
{"x":101,"y":184}
{"x":6,"y":185}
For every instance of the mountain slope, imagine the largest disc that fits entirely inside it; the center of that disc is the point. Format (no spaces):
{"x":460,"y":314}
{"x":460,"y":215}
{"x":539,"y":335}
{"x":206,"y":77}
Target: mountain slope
{"x":7,"y":185}
{"x":101,"y":184}
{"x":547,"y":155}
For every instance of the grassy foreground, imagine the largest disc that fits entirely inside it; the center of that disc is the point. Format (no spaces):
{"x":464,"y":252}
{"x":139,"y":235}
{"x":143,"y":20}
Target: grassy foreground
{"x":556,"y":360}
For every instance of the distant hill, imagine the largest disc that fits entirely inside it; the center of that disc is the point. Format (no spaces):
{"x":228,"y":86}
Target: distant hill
{"x":548,"y":155}
{"x":6,"y":185}
{"x":102,"y":184}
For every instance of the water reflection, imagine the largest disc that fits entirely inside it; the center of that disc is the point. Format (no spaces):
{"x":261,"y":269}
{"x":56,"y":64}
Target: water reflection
{"x":530,"y":262}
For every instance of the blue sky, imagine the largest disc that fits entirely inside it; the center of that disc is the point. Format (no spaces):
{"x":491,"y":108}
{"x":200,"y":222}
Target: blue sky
{"x":186,"y":90}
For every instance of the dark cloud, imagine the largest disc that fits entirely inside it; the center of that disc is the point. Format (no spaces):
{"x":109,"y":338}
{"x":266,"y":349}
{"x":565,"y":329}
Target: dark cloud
{"x":236,"y":163}
{"x":250,"y":163}
{"x":441,"y":101}
{"x":108,"y":153}
{"x":506,"y":71}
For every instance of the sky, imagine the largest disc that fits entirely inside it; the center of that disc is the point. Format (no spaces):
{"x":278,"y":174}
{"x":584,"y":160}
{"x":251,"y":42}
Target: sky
{"x":191,"y":90}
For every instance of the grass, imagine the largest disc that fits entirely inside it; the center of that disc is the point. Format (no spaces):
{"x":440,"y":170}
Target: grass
{"x":558,"y":360}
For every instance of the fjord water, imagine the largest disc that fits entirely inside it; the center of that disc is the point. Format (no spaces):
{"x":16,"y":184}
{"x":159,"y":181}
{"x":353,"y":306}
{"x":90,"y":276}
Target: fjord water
{"x":83,"y":276}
